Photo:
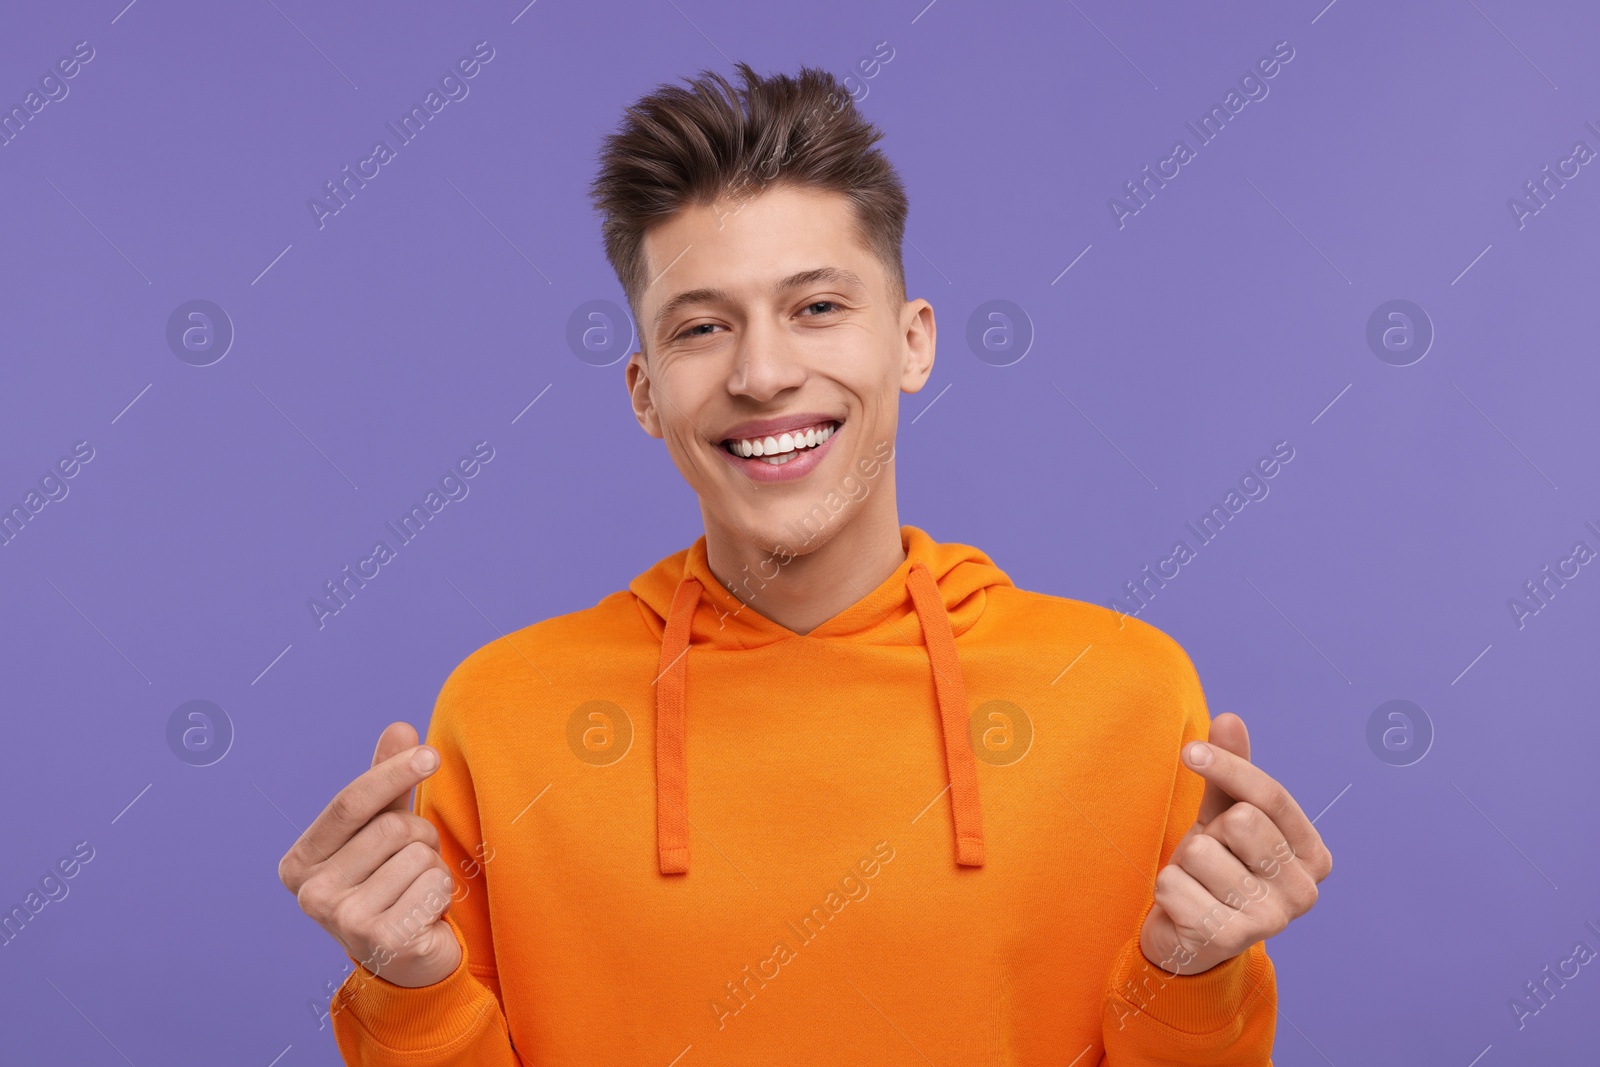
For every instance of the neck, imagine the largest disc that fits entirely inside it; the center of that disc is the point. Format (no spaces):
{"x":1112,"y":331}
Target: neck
{"x":832,"y":567}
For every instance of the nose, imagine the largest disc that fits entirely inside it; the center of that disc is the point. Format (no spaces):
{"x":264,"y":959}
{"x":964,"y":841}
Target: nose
{"x":765,"y":363}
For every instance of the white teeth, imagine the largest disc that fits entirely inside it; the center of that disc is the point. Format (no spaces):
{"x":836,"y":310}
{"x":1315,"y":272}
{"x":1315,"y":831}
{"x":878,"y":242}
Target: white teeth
{"x":784,"y":445}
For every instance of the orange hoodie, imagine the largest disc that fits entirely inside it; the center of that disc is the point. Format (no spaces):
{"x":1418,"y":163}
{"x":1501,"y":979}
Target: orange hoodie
{"x":926,"y":832}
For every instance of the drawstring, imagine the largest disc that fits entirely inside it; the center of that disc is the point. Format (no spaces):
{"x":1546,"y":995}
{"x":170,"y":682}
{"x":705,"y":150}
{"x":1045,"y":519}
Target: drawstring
{"x":672,"y":756}
{"x":952,"y":697}
{"x":672,"y":753}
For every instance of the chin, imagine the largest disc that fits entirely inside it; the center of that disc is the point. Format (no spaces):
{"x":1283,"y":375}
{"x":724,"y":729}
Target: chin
{"x":792,"y":531}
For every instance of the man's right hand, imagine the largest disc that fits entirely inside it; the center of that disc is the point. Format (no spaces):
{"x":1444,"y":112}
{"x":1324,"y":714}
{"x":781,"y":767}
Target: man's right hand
{"x":370,"y":873}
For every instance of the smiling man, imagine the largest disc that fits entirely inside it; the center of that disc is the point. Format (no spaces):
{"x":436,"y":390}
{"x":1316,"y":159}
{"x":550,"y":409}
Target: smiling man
{"x":817,"y":788}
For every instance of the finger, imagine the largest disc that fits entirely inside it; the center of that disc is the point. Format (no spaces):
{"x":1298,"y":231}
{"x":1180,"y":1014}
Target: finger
{"x":423,"y":903}
{"x":354,"y":805}
{"x":1251,"y":836}
{"x":1228,"y":732}
{"x":386,"y":834}
{"x":1208,"y":860}
{"x":1199,"y":917}
{"x":1255,"y":841}
{"x":1242,"y":780}
{"x":396,"y":738}
{"x":390,"y":881}
{"x":363,"y":918}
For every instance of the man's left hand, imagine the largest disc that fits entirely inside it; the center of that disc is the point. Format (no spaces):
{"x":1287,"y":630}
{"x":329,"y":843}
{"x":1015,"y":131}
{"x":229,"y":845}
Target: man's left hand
{"x":1249,"y":864}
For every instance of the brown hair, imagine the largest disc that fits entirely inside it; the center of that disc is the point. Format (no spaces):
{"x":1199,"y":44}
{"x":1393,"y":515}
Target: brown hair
{"x":680,"y":146}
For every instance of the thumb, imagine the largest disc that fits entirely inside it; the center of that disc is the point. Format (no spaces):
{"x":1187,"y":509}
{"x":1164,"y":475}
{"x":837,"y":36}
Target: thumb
{"x":395,"y":739}
{"x":1229,"y":734}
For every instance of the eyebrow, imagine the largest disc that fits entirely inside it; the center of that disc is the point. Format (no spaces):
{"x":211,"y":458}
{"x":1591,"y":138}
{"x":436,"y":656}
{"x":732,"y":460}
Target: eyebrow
{"x":710,"y":295}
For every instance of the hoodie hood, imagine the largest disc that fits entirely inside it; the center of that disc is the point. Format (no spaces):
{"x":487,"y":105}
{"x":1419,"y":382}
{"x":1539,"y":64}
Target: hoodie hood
{"x":936,"y":594}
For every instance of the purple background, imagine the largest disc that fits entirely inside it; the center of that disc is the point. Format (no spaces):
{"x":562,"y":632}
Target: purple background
{"x":1229,"y":314}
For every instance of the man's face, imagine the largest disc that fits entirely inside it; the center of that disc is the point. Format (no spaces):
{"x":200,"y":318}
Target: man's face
{"x":766,"y":314}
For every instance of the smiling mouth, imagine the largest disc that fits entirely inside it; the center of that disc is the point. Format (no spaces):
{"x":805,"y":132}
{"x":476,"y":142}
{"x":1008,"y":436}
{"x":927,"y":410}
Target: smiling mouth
{"x":780,"y":449}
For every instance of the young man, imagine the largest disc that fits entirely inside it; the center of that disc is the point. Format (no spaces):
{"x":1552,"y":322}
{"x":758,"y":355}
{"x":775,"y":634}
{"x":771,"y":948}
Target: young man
{"x":818,"y":788}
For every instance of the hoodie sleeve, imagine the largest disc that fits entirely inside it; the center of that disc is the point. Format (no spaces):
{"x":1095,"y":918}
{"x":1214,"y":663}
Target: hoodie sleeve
{"x":1225,"y":1016}
{"x":459,"y":1020}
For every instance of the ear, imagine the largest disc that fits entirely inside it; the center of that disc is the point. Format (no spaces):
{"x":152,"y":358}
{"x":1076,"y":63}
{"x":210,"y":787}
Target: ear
{"x":916,"y":320}
{"x":637,"y":377}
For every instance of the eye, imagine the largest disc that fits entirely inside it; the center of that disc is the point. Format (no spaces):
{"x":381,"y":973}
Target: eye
{"x":690,"y":331}
{"x":823,"y":304}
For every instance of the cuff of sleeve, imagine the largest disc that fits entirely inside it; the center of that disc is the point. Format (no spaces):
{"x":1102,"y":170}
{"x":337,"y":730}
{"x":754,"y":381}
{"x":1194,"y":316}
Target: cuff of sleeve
{"x":419,"y":1017}
{"x":1190,"y":1003}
